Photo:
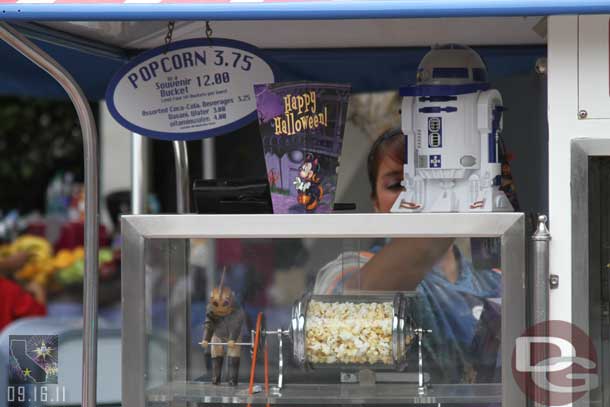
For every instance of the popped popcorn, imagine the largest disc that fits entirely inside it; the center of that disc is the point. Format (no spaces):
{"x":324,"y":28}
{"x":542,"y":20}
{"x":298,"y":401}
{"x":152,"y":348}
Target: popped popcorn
{"x":351,"y":333}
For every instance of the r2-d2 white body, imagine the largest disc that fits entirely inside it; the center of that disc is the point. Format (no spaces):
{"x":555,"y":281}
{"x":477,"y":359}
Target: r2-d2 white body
{"x":451,"y":121}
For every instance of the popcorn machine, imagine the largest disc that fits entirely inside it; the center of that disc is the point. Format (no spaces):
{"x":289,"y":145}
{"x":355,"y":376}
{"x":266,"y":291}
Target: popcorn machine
{"x":303,"y":345}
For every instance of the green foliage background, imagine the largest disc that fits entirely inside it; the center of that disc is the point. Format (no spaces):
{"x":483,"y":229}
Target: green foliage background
{"x":37,"y":139}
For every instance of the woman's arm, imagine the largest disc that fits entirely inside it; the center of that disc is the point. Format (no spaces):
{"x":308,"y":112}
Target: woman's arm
{"x":13,"y":263}
{"x":402,"y":264}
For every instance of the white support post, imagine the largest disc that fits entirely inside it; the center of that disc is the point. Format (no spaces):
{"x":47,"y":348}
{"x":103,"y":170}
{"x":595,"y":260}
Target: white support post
{"x":563,"y":125}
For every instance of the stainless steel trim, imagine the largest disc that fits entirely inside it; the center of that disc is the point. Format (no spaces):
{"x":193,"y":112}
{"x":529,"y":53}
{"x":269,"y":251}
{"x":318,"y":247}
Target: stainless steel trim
{"x":581,"y":151}
{"x":585,"y":267}
{"x":16,"y":40}
{"x":403,"y":394}
{"x":324,"y":225}
{"x":513,"y":299}
{"x":133,"y":336}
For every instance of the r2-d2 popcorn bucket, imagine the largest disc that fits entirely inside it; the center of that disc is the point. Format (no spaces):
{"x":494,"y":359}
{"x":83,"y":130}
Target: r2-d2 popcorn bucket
{"x":451,"y":120}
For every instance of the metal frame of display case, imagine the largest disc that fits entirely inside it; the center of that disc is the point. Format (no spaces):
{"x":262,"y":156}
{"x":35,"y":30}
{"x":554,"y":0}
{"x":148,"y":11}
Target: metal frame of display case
{"x":136,"y":229}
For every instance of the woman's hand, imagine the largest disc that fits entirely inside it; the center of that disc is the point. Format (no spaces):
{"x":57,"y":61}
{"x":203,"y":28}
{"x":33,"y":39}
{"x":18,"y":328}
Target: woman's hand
{"x":38,"y":292}
{"x":14,"y":262}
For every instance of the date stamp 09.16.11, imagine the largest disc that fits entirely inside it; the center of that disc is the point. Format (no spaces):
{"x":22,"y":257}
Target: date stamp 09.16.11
{"x":33,"y":371}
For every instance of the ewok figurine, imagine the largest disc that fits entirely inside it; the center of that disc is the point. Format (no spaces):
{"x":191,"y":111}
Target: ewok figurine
{"x":310,"y":191}
{"x":223,"y":323}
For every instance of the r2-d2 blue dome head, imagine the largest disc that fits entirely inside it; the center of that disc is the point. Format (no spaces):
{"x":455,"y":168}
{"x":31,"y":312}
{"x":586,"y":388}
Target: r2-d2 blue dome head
{"x":451,"y":64}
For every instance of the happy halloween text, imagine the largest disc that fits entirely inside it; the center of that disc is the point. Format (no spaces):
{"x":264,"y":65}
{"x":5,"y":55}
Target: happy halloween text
{"x":300,"y":114}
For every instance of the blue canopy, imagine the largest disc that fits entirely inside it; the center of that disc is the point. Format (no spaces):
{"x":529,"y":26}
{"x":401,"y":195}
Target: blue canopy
{"x":20,"y":77}
{"x":367,"y":69}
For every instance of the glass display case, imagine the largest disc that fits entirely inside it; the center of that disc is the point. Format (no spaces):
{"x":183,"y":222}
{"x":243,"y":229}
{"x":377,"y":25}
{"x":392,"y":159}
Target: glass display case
{"x":322,"y":309}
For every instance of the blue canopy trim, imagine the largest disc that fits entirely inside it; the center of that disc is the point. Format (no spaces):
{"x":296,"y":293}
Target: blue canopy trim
{"x":20,"y":77}
{"x":366,"y":69}
{"x":303,"y":10}
{"x":35,"y":31}
{"x":375,"y":69}
{"x":442,"y":90}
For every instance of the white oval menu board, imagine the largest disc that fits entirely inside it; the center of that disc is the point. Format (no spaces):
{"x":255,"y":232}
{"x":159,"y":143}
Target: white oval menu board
{"x":189,"y":90}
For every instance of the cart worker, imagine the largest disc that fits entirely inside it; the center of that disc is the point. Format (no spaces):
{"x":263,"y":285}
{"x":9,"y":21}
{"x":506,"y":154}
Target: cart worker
{"x":451,"y":293}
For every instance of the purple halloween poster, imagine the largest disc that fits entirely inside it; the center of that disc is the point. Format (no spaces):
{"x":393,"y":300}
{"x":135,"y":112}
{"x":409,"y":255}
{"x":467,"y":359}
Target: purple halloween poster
{"x":301,"y":125}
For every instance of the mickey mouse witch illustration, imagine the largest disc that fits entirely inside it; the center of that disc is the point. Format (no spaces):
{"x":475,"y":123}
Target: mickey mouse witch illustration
{"x":310,"y":192}
{"x":223,"y":324}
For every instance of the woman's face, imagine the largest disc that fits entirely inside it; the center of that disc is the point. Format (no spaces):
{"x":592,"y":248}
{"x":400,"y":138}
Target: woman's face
{"x":387,"y":185}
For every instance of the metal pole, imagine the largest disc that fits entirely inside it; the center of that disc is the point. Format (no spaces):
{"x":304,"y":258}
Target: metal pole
{"x":280,"y":371}
{"x":139,"y":174}
{"x":183,"y":187}
{"x":208,"y":146}
{"x":209,"y":158}
{"x":13,"y":38}
{"x":541,"y":277}
{"x":540,"y":291}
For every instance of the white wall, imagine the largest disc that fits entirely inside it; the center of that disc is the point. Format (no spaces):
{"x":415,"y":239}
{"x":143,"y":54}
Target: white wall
{"x":570,"y":301}
{"x":563,"y":125}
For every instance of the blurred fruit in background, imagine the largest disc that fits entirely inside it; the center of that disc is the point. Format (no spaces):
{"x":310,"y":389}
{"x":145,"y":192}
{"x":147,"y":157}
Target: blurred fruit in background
{"x":66,"y":267}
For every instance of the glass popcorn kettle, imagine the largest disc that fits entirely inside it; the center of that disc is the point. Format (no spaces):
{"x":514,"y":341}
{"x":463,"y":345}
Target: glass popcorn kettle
{"x":358,"y":331}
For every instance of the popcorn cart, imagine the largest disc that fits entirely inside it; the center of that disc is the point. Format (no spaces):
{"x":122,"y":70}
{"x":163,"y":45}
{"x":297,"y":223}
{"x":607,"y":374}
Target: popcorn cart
{"x":309,"y":337}
{"x":356,"y":348}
